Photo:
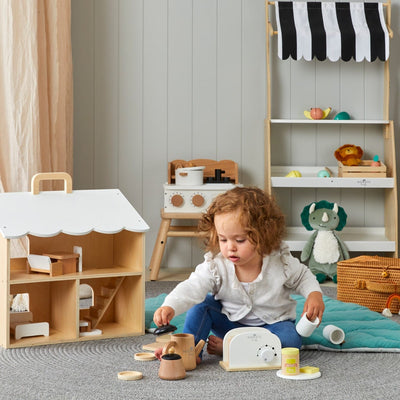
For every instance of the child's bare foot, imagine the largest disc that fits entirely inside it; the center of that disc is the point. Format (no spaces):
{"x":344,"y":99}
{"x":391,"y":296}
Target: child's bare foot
{"x":215,"y":345}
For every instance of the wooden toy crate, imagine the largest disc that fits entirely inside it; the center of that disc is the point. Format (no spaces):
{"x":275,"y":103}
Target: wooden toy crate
{"x":369,"y":281}
{"x":364,"y":170}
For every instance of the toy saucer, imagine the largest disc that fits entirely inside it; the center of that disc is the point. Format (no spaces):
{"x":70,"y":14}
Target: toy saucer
{"x":145,"y":356}
{"x":306,"y":373}
{"x":130,"y":375}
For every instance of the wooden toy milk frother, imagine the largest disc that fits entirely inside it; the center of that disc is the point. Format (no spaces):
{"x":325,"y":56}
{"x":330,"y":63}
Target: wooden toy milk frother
{"x":184,"y":346}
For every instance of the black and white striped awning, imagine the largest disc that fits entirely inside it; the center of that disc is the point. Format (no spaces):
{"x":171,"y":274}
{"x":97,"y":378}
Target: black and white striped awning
{"x":331,"y":30}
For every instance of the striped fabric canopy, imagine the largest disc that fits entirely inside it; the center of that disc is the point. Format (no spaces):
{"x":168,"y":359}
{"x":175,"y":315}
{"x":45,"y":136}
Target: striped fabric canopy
{"x":331,"y":30}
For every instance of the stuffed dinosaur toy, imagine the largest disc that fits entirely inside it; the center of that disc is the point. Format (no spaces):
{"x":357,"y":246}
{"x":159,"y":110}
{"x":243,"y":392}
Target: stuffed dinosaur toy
{"x":324,"y":248}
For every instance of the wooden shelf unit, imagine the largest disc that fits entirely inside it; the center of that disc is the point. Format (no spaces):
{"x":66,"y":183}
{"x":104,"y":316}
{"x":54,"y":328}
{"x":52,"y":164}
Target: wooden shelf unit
{"x":375,"y":239}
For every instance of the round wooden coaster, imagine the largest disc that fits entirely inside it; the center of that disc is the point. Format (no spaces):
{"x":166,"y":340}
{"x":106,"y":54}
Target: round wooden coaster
{"x":145,"y":356}
{"x":130,"y":375}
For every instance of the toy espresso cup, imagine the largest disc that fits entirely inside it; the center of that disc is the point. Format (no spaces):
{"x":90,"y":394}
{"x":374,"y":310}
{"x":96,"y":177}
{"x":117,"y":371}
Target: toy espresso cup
{"x":183,"y":344}
{"x":305,"y":327}
{"x":334,"y":334}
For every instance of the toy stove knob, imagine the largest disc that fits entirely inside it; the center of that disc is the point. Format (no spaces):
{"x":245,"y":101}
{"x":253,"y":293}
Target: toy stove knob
{"x":176,"y":200}
{"x":266,"y":353}
{"x":198,"y":200}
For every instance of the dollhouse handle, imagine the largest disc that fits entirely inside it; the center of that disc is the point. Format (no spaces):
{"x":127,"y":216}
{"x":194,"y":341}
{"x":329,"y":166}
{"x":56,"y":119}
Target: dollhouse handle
{"x":50,"y":176}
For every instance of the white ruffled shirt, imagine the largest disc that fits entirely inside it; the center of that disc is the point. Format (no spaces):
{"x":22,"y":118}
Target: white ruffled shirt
{"x":268,"y":296}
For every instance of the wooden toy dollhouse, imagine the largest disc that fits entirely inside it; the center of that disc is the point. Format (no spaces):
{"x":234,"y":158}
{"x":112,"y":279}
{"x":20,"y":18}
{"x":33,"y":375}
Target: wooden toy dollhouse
{"x":110,"y":234}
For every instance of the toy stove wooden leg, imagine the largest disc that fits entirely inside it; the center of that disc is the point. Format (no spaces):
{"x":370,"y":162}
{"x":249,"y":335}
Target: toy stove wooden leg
{"x":159,"y":248}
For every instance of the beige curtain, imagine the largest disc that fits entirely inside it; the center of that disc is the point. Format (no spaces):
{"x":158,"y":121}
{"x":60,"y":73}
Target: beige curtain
{"x":35,"y":91}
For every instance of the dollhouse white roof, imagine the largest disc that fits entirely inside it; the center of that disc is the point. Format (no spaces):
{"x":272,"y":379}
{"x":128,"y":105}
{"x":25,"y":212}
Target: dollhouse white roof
{"x":78,"y":213}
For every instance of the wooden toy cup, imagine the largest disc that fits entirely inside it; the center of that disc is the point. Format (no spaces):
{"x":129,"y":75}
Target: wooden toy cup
{"x":184,"y":346}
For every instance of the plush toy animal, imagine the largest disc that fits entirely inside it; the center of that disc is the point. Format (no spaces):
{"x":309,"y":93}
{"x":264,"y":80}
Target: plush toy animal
{"x":324,"y":248}
{"x":349,"y":154}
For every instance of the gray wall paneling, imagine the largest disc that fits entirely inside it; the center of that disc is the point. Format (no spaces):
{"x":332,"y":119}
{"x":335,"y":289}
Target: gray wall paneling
{"x":156,"y":80}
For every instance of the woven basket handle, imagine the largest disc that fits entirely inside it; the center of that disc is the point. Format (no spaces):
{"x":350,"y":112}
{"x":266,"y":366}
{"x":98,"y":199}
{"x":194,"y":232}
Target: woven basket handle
{"x":378,"y":287}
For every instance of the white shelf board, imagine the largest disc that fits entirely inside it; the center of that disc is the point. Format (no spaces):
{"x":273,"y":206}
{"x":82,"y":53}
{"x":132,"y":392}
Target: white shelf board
{"x":331,"y":121}
{"x":369,"y":239}
{"x":310,"y":179}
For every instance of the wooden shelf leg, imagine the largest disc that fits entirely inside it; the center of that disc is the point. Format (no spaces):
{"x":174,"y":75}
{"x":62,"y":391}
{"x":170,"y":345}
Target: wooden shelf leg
{"x":159,"y":248}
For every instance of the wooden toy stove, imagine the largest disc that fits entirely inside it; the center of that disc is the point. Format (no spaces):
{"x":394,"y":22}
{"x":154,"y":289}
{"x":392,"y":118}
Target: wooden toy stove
{"x":191,"y":187}
{"x":192,"y":199}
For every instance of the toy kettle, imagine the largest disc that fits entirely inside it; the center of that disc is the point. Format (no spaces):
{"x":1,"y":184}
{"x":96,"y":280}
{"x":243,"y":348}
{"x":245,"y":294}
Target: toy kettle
{"x":183,"y":344}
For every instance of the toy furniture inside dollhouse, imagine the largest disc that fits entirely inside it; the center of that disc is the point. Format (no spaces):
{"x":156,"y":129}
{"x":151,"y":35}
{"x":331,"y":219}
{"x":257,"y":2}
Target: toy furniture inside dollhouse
{"x":309,"y":67}
{"x":96,"y":239}
{"x":21,"y":318}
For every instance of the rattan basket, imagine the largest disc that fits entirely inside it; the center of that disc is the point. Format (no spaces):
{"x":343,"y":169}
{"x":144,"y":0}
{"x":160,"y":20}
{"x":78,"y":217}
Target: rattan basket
{"x":368,"y":281}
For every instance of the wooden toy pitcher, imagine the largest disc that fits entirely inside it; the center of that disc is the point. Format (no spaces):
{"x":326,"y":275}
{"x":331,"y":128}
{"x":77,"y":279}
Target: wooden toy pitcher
{"x":183,"y":344}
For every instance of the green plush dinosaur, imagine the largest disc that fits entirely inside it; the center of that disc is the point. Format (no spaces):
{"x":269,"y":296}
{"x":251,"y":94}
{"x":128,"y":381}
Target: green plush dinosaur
{"x":324,"y":248}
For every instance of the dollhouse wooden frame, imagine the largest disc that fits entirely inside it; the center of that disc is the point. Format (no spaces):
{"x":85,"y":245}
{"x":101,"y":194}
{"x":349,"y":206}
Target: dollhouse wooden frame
{"x":111,"y":234}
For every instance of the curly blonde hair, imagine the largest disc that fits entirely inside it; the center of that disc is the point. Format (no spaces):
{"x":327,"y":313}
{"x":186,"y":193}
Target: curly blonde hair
{"x":260,"y":216}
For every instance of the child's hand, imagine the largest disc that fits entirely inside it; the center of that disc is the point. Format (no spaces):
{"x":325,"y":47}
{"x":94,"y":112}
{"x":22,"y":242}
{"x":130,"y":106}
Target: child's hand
{"x":314,"y":306}
{"x":163,"y":315}
{"x":158,"y":353}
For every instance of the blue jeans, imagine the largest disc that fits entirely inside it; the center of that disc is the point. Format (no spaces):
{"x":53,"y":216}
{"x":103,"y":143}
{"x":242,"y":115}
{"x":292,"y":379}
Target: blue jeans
{"x":206,"y":317}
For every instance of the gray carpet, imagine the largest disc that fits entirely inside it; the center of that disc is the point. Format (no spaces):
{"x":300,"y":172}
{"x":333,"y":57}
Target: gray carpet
{"x":88,"y":370}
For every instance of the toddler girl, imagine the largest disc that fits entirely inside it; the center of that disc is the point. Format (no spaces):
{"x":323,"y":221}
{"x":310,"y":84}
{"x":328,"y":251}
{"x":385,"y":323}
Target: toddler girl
{"x":247,"y":275}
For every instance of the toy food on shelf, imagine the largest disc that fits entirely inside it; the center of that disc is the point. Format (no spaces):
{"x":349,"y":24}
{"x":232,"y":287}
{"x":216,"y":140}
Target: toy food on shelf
{"x":375,"y":161}
{"x":294,"y":174}
{"x":317,"y":113}
{"x":343,"y":115}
